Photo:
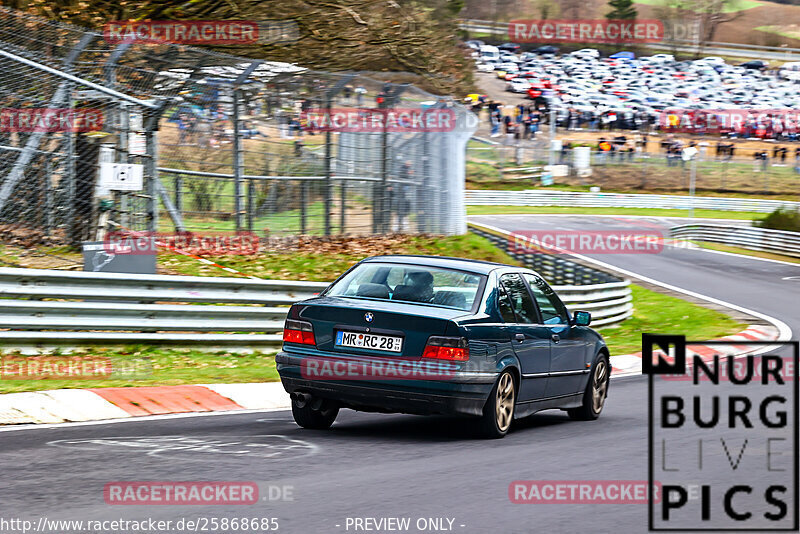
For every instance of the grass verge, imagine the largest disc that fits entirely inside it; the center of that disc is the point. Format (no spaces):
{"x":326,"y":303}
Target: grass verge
{"x":745,"y":252}
{"x":650,"y":212}
{"x":656,"y":313}
{"x":140,"y":366}
{"x":320,"y":259}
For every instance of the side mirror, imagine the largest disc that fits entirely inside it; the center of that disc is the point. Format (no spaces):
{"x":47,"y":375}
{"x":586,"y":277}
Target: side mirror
{"x":581,"y":318}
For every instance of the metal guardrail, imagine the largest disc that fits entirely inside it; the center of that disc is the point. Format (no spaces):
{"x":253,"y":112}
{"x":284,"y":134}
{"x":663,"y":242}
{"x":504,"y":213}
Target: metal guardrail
{"x":606,"y":296}
{"x":752,"y":238}
{"x":620,"y":200}
{"x":44,"y":308}
{"x":58,"y":308}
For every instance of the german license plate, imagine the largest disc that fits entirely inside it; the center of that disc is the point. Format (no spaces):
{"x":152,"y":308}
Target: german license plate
{"x":369,"y":341}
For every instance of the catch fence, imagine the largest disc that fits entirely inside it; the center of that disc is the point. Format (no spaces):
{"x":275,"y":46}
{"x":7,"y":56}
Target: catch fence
{"x":142,"y":136}
{"x":525,"y":162}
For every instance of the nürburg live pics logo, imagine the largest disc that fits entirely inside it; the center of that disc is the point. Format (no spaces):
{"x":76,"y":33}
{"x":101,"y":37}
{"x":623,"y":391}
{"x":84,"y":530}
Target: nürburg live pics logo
{"x":722,"y":434}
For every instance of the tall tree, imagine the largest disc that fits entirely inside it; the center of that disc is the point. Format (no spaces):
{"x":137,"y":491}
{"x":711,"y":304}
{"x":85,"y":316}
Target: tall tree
{"x":547,"y":9}
{"x":621,"y":10}
{"x":416,"y":36}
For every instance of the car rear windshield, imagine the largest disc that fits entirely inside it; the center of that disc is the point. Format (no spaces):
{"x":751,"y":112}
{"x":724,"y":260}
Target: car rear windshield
{"x":410,"y":283}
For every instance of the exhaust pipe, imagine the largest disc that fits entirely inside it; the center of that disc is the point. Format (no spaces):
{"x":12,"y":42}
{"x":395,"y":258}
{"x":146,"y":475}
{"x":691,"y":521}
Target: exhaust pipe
{"x":301,"y":399}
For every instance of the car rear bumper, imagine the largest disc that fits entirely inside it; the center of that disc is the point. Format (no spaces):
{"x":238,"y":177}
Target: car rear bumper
{"x":462,"y":393}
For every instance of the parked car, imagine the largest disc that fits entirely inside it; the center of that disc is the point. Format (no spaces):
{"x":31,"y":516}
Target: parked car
{"x":489,"y":52}
{"x":661,"y":58}
{"x":547,"y":49}
{"x":518,"y":85}
{"x":755,"y":64}
{"x":478,"y":339}
{"x":586,"y":53}
{"x":510,"y":47}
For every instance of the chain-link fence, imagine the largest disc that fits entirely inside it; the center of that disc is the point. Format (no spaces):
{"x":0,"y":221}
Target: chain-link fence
{"x":98,"y":136}
{"x":770,"y":170}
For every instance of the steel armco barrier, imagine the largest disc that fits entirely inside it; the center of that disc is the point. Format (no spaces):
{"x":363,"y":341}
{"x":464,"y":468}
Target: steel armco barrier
{"x":620,"y":200}
{"x":749,"y":237}
{"x":606,"y":296}
{"x":110,"y":308}
{"x":43,"y":308}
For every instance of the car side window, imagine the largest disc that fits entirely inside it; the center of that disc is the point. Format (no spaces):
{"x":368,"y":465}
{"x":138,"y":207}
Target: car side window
{"x":552,"y":309}
{"x":504,"y":303}
{"x":520,"y":298}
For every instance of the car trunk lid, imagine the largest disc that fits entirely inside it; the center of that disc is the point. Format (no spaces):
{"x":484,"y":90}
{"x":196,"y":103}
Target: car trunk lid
{"x":412,"y":322}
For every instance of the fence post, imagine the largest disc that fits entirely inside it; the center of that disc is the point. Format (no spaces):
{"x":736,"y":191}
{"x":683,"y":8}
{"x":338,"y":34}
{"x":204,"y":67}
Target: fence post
{"x":343,"y":185}
{"x":49,"y":197}
{"x":123,"y":198}
{"x":70,"y":175}
{"x":179,"y":193}
{"x":238,"y":154}
{"x":237,"y":163}
{"x":385,"y":215}
{"x":328,"y":192}
{"x":302,"y":207}
{"x":423,"y":216}
{"x":251,"y":202}
{"x":151,"y":167}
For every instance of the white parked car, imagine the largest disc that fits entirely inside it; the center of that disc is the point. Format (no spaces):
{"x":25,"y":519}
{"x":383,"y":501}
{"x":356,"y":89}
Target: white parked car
{"x":486,"y":66}
{"x":510,"y":58}
{"x":507,"y":67}
{"x":518,"y":85}
{"x":490,"y":52}
{"x":586,"y":53}
{"x":662,"y":58}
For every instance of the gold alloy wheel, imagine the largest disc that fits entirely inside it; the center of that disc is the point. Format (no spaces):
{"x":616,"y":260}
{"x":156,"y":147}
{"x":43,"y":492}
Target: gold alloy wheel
{"x":504,"y":404}
{"x":599,"y":385}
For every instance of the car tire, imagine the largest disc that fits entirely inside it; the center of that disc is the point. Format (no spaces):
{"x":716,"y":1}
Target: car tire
{"x":498,"y":412}
{"x":314,"y":419}
{"x":594,"y":397}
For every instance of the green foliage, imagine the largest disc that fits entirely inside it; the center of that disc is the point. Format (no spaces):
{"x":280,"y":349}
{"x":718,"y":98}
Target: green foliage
{"x":659,"y":313}
{"x":781,"y":219}
{"x":621,"y":10}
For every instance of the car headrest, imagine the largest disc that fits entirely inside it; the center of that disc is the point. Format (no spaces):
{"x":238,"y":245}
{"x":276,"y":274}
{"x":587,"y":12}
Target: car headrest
{"x":409,"y":293}
{"x":450,"y":298}
{"x":378,"y":291}
{"x":420,"y":278}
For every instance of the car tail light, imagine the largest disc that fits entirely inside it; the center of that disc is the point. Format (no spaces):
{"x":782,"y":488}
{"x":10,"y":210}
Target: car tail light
{"x":447,"y":348}
{"x":295,"y":331}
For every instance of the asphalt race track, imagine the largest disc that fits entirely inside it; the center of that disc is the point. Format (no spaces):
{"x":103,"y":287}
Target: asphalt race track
{"x":379,"y":466}
{"x":755,"y":284}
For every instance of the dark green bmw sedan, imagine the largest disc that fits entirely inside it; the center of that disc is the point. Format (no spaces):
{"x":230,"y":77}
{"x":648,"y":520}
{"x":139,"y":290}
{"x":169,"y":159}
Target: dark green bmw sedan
{"x":435,"y":335}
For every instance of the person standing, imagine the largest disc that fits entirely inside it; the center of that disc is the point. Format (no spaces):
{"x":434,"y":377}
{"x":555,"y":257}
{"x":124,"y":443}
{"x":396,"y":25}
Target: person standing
{"x":797,"y":160}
